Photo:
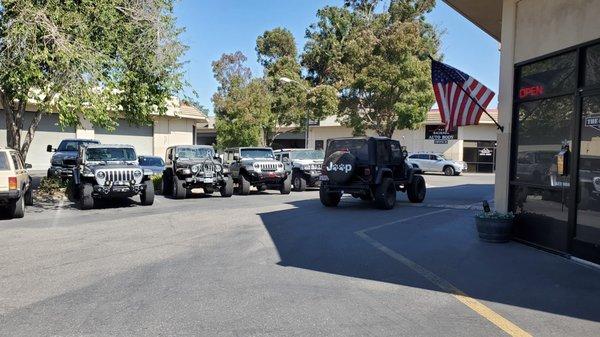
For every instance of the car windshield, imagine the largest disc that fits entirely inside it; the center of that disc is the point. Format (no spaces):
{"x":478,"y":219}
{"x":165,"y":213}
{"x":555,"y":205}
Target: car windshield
{"x":4,"y":165}
{"x":358,"y":147}
{"x":151,"y":161}
{"x":72,"y":145}
{"x":441,"y":157}
{"x":307,"y":154}
{"x":194,"y":152}
{"x":256,"y":153}
{"x":111,"y":154}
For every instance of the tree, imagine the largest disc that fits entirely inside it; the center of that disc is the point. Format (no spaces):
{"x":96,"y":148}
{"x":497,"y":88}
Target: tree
{"x":378,"y":61}
{"x":101,"y":60}
{"x":293,"y":102}
{"x":242,"y":104}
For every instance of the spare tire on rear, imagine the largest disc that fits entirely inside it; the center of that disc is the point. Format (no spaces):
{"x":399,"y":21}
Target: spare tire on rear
{"x":340,"y":166}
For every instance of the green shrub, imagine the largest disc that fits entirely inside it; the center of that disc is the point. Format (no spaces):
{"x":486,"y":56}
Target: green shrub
{"x":157,"y":181}
{"x":52,"y":185}
{"x":496,"y":215}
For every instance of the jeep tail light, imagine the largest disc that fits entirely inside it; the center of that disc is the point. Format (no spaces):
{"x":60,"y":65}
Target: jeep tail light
{"x":12,"y":183}
{"x":367,"y":172}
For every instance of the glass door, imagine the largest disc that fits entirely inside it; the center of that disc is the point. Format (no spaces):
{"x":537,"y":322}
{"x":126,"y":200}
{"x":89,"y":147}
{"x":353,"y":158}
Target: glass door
{"x":587,"y":226}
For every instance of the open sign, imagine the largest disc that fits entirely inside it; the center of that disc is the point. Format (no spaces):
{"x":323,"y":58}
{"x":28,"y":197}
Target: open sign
{"x":532,"y":91}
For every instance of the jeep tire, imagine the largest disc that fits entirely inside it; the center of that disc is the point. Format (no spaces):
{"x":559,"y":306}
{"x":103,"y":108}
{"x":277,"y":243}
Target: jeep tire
{"x":226,"y":189}
{"x":178,"y":191}
{"x":385,"y":194}
{"x":344,"y":160}
{"x":29,"y":196}
{"x":329,"y":199}
{"x":71,"y":191}
{"x":167,"y":181}
{"x":147,"y":195}
{"x":86,"y":200}
{"x":286,"y":186}
{"x":16,"y":209}
{"x":299,"y":182}
{"x":449,"y":171}
{"x":244,"y":185}
{"x":416,"y":190}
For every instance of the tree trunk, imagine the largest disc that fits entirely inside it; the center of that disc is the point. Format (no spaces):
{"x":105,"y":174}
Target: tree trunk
{"x":15,"y":114}
{"x":30,"y":133}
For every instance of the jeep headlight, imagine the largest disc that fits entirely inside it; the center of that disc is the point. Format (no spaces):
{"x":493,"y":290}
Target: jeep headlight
{"x":137,"y":173}
{"x":256,"y":166}
{"x":101,"y":175}
{"x":218,"y":168}
{"x":195,"y":169}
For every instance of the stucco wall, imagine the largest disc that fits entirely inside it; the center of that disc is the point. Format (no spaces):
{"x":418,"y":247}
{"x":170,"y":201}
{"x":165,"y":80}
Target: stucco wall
{"x":545,"y":26}
{"x":172,"y":131}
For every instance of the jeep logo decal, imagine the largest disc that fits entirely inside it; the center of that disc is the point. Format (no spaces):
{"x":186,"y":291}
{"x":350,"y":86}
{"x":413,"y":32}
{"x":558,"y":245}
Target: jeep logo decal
{"x":339,"y":167}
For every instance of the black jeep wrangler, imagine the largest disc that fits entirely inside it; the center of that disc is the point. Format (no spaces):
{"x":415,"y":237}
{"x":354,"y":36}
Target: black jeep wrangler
{"x":195,"y":166}
{"x":369,"y":168}
{"x":257,"y":166}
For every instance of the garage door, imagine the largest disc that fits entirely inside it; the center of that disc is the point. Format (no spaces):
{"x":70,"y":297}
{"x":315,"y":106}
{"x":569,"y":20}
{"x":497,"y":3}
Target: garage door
{"x":48,"y":132}
{"x":140,"y":137}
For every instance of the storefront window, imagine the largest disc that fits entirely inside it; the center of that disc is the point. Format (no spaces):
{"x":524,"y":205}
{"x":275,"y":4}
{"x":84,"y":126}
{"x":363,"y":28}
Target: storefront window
{"x":549,"y":77}
{"x":592,"y":65}
{"x":544,"y":127}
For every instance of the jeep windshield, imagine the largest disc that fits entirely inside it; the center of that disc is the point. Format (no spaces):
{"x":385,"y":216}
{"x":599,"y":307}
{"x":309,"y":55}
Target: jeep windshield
{"x":184,"y":153}
{"x":358,"y":147}
{"x":307,"y":154}
{"x":109,"y":154}
{"x":72,"y":145}
{"x":257,"y":153}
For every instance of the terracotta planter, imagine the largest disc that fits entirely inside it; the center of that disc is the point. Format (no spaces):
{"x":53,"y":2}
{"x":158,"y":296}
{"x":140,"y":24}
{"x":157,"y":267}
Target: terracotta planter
{"x":494,"y":230}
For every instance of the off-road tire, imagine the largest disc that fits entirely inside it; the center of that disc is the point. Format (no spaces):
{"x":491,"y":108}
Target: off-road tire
{"x":329,"y":199}
{"x":227,"y":189}
{"x":416,"y":190}
{"x":385,"y":194}
{"x":178,"y":191}
{"x":244,"y":185}
{"x":86,"y":200}
{"x":71,"y":191}
{"x":299,"y":183}
{"x":16,"y":209}
{"x":147,"y":195}
{"x":449,"y":171}
{"x":29,"y":196}
{"x":286,"y":186}
{"x":167,"y":182}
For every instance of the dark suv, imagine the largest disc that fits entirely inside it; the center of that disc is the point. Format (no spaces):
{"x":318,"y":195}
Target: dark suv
{"x":257,"y":166}
{"x":195,"y":166}
{"x":369,"y":168}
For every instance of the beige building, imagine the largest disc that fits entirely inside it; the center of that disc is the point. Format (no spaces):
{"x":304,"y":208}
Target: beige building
{"x":176,"y":126}
{"x":548,"y":158}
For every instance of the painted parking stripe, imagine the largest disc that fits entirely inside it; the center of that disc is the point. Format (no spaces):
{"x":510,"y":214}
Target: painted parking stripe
{"x":478,"y":307}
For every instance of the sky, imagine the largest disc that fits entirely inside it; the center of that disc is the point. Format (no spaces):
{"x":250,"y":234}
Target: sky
{"x":214,"y":27}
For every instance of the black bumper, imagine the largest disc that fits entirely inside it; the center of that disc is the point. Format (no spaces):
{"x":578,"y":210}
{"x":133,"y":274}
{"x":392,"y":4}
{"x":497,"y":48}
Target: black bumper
{"x":60,"y":171}
{"x":200,"y":181}
{"x":10,"y":195}
{"x":119,"y":191}
{"x":267,"y":178}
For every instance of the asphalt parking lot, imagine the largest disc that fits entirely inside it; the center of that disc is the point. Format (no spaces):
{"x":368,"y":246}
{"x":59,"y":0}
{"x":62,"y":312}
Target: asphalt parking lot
{"x":274,"y":265}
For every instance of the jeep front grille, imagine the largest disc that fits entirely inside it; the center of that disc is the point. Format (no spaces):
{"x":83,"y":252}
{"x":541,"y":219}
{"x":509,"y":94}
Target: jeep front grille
{"x":268,"y":166}
{"x":209,"y":167}
{"x":119,"y":175}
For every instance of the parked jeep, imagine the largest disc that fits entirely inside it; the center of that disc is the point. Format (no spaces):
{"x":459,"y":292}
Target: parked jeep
{"x":256,"y":166}
{"x":369,"y":168}
{"x":305,"y":165}
{"x":64,"y":158}
{"x":15,"y":184}
{"x":109,"y":172}
{"x":195,"y":166}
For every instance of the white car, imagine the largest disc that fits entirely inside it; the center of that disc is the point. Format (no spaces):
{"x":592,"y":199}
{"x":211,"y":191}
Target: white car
{"x":435,"y":162}
{"x":15,"y":184}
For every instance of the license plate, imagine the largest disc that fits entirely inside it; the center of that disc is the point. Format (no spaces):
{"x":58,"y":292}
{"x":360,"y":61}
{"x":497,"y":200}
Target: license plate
{"x":323,"y":178}
{"x":121,"y":189}
{"x":208,"y":175}
{"x":208,"y":180}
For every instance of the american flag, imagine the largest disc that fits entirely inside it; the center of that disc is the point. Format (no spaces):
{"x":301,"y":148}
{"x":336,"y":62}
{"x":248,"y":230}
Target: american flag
{"x":457,"y":106}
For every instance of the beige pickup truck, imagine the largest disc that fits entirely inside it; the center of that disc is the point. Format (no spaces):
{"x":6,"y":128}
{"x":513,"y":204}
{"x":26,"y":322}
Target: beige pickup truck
{"x":15,"y":184}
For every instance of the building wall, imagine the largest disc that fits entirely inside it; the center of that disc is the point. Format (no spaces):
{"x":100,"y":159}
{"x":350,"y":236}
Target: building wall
{"x":172,"y":131}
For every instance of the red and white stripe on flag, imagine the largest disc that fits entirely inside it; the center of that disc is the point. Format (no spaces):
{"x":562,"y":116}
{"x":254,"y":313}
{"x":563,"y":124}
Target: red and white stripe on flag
{"x":457,"y":106}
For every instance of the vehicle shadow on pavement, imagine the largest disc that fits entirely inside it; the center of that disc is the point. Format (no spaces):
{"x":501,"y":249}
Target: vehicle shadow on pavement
{"x":313,"y":237}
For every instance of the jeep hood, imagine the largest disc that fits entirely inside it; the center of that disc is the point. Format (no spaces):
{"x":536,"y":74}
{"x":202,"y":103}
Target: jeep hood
{"x":109,"y":166}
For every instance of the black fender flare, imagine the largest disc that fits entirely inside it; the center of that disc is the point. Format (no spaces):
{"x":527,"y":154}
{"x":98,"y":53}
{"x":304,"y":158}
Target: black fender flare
{"x":381,"y":173}
{"x":76,"y":176}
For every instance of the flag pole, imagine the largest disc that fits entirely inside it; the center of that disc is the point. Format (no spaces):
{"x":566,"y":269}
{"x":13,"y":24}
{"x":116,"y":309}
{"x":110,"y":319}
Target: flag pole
{"x":500,"y":127}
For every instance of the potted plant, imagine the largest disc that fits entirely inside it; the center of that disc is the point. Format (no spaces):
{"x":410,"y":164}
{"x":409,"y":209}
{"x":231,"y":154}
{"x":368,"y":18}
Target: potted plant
{"x":494,"y":226}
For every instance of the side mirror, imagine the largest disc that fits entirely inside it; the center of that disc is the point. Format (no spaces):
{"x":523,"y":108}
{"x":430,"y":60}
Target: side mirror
{"x":236,"y":157}
{"x":49,"y":148}
{"x":28,"y":166}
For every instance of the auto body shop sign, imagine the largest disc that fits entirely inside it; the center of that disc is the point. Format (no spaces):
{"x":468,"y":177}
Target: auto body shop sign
{"x":593,"y":121}
{"x":438,"y":134}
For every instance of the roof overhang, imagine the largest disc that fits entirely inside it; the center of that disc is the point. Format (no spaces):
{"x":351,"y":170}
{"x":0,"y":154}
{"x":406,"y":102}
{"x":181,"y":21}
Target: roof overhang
{"x":485,"y":14}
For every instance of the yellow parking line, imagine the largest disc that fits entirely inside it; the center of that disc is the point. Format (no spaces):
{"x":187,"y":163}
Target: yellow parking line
{"x":482,"y":310}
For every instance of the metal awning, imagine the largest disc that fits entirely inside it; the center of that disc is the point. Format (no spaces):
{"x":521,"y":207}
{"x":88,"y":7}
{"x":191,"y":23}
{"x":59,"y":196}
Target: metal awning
{"x":485,"y":14}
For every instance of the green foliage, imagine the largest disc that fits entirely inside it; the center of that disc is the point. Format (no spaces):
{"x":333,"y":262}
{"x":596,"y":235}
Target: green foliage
{"x":157,"y":181}
{"x":101,"y":60}
{"x":242,"y":104}
{"x":51,"y":186}
{"x":377,"y":61}
{"x":496,"y":215}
